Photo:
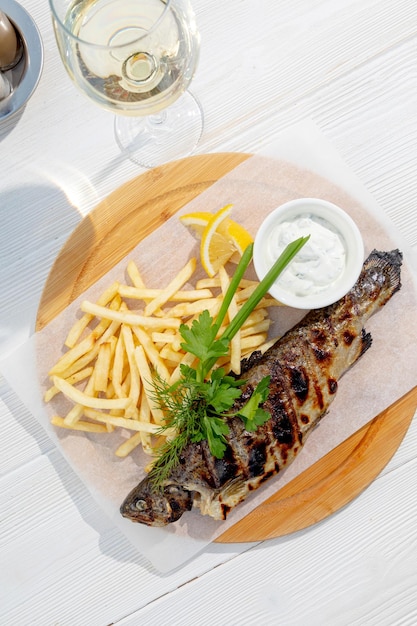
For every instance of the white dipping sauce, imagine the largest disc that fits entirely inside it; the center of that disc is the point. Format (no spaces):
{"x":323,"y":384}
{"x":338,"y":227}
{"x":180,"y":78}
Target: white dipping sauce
{"x":319,"y":263}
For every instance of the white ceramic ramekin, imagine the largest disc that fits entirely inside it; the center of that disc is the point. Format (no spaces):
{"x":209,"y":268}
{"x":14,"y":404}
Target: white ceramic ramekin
{"x":348,"y":232}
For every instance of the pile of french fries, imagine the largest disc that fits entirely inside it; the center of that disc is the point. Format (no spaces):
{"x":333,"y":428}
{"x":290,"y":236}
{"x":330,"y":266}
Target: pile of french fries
{"x":113,"y":350}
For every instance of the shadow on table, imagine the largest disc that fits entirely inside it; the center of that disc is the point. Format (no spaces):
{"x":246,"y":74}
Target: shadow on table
{"x":36,"y":221}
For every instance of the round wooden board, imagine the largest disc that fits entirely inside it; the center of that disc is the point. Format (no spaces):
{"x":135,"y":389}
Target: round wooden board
{"x":110,"y":232}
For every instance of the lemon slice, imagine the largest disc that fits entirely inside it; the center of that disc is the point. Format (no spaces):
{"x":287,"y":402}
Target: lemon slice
{"x":232,"y":231}
{"x":215,"y":249}
{"x":236,"y":234}
{"x":196,"y":222}
{"x":222,"y":239}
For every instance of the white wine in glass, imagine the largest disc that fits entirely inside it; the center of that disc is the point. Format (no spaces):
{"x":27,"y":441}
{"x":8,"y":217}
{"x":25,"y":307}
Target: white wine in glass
{"x":136,"y":58}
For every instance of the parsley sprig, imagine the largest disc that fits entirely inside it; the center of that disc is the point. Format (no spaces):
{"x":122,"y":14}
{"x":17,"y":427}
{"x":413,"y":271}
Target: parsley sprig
{"x":199,"y":405}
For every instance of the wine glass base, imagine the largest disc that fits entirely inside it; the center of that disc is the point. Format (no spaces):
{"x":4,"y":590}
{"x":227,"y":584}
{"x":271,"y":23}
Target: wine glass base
{"x":166,"y":136}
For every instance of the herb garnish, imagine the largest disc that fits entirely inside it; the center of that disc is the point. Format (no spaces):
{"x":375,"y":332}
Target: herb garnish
{"x":198,"y":405}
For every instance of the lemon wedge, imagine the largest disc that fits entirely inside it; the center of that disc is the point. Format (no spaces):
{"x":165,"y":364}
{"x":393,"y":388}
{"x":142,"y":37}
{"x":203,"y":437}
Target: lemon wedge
{"x":222,"y":239}
{"x":196,"y":222}
{"x":236,"y":234}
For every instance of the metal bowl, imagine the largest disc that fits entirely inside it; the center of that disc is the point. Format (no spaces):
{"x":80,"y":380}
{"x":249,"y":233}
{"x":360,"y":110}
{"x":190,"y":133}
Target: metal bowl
{"x":25,"y":76}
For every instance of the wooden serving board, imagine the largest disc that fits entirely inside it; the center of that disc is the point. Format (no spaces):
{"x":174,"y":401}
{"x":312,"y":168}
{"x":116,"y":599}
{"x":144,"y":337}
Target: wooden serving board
{"x":110,"y":232}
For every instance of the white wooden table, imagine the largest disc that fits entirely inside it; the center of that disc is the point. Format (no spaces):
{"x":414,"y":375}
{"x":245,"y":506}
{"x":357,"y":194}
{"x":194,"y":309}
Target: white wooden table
{"x":352,"y":68}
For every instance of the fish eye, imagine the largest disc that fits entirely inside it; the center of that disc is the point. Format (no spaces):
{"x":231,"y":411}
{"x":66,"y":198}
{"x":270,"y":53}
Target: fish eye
{"x":172,"y":489}
{"x":140,"y":505}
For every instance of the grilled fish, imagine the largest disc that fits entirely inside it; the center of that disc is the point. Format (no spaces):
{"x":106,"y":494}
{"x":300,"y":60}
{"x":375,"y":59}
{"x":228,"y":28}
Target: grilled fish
{"x":305,"y":366}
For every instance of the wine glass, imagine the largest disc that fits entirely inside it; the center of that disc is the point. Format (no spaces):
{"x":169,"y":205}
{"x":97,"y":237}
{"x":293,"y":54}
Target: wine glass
{"x":136,"y":58}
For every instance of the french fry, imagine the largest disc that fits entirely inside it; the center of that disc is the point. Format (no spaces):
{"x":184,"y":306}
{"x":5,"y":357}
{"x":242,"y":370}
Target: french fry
{"x":267,"y":301}
{"x":256,"y":316}
{"x":151,"y":352}
{"x":118,"y":371}
{"x":253,"y":341}
{"x":145,"y":416}
{"x":187,"y":309}
{"x":73,"y":355}
{"x":187,"y":359}
{"x":208,"y":283}
{"x":77,"y":411}
{"x":102,"y":366}
{"x":173,"y":356}
{"x":267,"y":344}
{"x":72,"y":380}
{"x":129,"y":445}
{"x":134,"y":275}
{"x":77,"y":330}
{"x":134,"y":389}
{"x":81,"y":324}
{"x":132,"y":319}
{"x":122,"y":422}
{"x":91,"y":355}
{"x":211,"y":283}
{"x":258,"y":327}
{"x":179,"y":281}
{"x":163,"y":338}
{"x":146,"y":377}
{"x":82,"y":398}
{"x":244,"y":294}
{"x":74,"y":415}
{"x":80,"y":425}
{"x":84,"y":352}
{"x":190,"y":295}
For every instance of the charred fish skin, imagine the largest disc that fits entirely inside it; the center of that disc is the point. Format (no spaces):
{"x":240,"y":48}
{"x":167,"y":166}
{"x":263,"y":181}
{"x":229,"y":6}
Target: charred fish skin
{"x":305,"y":367}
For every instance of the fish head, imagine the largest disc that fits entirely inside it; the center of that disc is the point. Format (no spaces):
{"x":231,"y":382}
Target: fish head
{"x":156,"y":507}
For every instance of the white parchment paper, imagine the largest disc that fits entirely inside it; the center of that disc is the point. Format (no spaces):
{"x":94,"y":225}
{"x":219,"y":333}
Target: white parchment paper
{"x":300,"y":164}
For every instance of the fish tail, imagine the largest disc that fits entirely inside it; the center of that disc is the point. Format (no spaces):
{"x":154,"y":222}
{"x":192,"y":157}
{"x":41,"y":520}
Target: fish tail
{"x":387,"y":264}
{"x":379,"y":280}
